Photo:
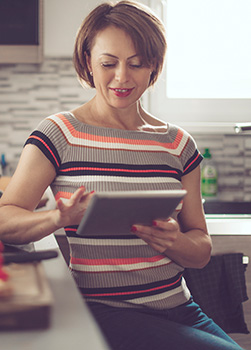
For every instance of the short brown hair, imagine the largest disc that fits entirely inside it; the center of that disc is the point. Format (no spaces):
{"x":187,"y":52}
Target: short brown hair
{"x":144,"y":28}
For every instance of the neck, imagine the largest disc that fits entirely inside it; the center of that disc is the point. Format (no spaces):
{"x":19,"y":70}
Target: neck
{"x":131,"y":118}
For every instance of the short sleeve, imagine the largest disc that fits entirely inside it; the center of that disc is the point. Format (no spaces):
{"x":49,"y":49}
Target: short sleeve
{"x":187,"y":152}
{"x":191,"y":157}
{"x":49,"y":139}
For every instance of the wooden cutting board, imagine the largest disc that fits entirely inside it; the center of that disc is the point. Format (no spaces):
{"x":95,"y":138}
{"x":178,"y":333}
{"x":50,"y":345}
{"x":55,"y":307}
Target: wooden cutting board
{"x":29,"y":306}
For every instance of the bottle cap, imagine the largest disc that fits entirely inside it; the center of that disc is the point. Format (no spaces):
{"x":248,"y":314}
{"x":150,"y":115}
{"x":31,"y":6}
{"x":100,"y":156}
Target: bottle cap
{"x":207,"y":153}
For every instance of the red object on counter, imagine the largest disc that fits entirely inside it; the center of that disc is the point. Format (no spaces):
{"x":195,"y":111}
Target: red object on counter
{"x":3,"y":275}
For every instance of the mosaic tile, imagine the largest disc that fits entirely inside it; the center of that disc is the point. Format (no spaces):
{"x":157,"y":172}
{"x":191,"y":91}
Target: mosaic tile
{"x":30,"y":92}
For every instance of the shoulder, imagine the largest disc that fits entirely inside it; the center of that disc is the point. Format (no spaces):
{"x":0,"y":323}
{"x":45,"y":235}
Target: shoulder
{"x":62,"y":118}
{"x":52,"y":133}
{"x":51,"y":137}
{"x":189,"y":154}
{"x":181,"y":135}
{"x":56,"y":124}
{"x":173,"y":128}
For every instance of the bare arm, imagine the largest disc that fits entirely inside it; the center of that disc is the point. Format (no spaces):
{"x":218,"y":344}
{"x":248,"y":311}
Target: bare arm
{"x":19,"y":223}
{"x":185,"y":241}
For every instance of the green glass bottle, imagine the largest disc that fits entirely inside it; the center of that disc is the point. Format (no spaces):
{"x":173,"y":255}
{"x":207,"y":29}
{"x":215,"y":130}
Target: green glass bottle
{"x":209,"y":176}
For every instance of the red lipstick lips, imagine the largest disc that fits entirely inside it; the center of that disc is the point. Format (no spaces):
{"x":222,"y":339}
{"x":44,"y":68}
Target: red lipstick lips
{"x":121,"y":92}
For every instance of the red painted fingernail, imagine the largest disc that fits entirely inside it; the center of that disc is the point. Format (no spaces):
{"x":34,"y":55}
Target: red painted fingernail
{"x":154,"y":223}
{"x":134,"y":229}
{"x":92,"y":192}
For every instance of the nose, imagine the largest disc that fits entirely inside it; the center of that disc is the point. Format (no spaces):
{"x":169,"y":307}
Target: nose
{"x":122,"y":73}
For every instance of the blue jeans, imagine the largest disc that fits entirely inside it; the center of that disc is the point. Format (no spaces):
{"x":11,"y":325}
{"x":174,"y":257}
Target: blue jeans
{"x":184,"y":327}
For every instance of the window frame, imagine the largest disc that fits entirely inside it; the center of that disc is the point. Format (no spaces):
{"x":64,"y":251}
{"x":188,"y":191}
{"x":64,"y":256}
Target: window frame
{"x":202,"y":115}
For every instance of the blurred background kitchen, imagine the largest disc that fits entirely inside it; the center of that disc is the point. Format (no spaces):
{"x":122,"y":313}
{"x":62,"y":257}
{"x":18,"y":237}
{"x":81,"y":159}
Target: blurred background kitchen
{"x":205,"y":88}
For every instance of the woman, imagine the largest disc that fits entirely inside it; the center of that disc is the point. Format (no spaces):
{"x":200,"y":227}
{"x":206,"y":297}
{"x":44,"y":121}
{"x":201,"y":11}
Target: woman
{"x":133,"y":284}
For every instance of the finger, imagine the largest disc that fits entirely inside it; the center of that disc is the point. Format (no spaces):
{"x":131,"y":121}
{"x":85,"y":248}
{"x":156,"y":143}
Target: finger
{"x":77,"y":195}
{"x":148,"y":233}
{"x":142,"y":229}
{"x":86,"y":197}
{"x":87,"y":194}
{"x":59,"y":204}
{"x":164,"y":224}
{"x":155,"y":242}
{"x":154,"y":234}
{"x":79,"y":192}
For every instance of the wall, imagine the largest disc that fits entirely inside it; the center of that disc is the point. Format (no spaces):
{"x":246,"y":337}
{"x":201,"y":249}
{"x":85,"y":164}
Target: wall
{"x":28,"y":93}
{"x":62,"y":19}
{"x":232,"y":155}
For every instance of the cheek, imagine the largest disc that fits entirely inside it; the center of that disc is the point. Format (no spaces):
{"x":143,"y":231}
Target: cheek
{"x":102,"y":76}
{"x":99,"y":79}
{"x":145,"y":81}
{"x":146,"y":76}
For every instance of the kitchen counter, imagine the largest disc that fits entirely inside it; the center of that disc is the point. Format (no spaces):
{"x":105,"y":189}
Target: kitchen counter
{"x":214,"y":206}
{"x":229,"y":224}
{"x":231,"y":218}
{"x":72,"y":325}
{"x":231,"y":234}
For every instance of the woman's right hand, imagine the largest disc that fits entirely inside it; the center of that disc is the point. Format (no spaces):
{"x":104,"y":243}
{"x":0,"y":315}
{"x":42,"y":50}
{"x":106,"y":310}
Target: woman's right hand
{"x":71,"y":212}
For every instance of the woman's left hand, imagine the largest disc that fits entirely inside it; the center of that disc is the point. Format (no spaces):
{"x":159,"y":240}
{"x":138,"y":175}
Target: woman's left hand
{"x":163,"y":234}
{"x":185,"y":241}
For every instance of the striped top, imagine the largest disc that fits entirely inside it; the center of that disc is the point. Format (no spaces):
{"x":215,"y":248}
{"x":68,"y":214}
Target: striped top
{"x":119,"y":270}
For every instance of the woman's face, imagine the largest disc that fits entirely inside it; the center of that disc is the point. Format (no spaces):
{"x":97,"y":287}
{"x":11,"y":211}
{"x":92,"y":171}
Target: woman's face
{"x":118,"y":73}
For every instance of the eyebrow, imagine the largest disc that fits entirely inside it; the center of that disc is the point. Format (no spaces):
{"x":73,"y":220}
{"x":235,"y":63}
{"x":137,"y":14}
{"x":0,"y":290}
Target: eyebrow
{"x":113,"y":56}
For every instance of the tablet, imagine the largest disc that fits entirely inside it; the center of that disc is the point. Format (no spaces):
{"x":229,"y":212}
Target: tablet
{"x":113,"y":213}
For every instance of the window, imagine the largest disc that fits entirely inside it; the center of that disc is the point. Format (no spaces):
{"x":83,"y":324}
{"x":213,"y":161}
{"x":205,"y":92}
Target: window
{"x":207,"y":77}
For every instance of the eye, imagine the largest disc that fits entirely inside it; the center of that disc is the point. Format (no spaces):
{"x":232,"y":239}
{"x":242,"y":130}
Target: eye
{"x":108,"y":64}
{"x":135,"y":65}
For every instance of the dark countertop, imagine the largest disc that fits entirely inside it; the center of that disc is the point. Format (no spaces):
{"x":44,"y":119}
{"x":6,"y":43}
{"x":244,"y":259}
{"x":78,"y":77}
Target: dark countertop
{"x":224,"y":207}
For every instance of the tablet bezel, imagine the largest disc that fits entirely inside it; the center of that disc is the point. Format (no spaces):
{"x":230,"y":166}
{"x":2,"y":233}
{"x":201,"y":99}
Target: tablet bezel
{"x":113,"y":213}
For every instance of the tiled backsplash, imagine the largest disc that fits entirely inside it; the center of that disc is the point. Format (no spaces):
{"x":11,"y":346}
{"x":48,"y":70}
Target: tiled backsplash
{"x":28,"y":93}
{"x":232,"y":156}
